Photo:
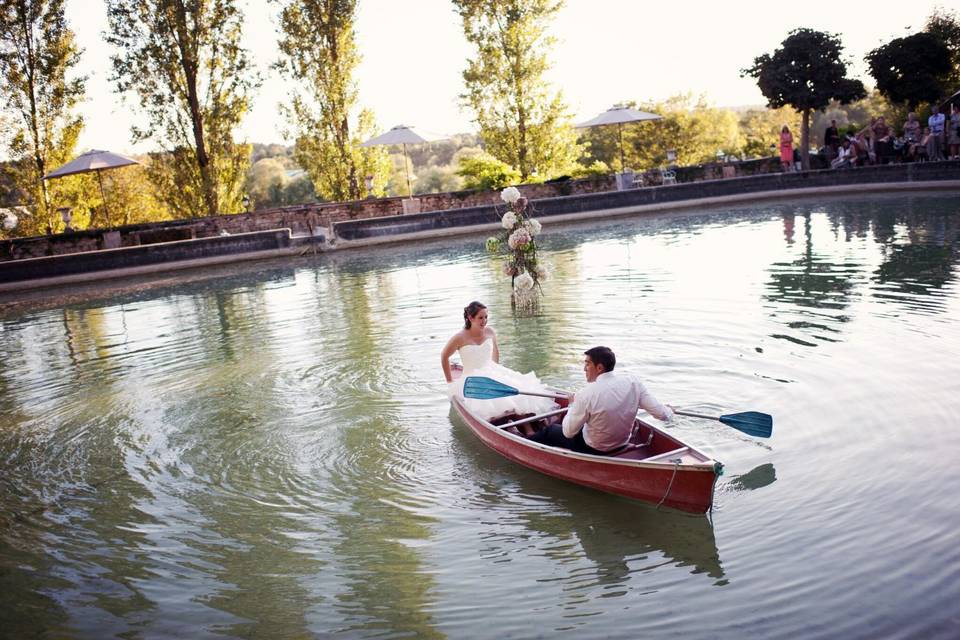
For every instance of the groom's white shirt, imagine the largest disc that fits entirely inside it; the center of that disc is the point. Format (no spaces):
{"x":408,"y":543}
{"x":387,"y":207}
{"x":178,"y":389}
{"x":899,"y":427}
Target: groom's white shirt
{"x":605,"y":410}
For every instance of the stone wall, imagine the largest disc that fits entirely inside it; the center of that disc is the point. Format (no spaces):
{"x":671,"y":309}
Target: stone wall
{"x":317,"y":220}
{"x":302,"y":220}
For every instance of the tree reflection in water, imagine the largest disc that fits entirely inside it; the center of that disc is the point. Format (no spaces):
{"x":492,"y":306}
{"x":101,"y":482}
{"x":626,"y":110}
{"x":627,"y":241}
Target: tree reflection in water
{"x":916,"y":245}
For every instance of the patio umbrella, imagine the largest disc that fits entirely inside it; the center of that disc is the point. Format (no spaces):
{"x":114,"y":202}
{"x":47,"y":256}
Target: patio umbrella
{"x":402,"y":135}
{"x":619,"y":115}
{"x":94,"y":160}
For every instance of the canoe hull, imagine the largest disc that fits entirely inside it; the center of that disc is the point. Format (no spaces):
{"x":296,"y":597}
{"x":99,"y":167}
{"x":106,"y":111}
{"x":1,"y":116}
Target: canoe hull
{"x":683,"y":482}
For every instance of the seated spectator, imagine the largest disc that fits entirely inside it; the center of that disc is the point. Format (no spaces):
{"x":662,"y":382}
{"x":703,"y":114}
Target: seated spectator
{"x":899,"y":147}
{"x":846,"y":156}
{"x":923,"y":147}
{"x":865,"y":150}
{"x":883,"y":147}
{"x":911,"y":129}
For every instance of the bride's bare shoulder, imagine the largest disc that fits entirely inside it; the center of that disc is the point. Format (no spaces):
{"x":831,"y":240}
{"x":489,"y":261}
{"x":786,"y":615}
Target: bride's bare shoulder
{"x":457,"y":340}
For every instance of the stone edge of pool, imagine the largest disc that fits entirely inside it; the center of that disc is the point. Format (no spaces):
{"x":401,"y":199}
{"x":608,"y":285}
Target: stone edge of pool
{"x":53,"y":271}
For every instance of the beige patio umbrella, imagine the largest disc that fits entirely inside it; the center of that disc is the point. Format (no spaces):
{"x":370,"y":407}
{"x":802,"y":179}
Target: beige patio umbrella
{"x":94,"y":160}
{"x":619,"y":115}
{"x":402,"y":135}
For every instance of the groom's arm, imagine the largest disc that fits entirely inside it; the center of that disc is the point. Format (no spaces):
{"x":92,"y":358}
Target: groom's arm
{"x":576,"y":415}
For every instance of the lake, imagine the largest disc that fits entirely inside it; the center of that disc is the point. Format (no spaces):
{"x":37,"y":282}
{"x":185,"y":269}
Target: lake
{"x":266,"y":450}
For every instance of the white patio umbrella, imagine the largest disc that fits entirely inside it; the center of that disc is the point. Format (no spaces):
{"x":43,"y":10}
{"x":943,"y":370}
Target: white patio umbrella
{"x":402,"y":135}
{"x":619,"y":115}
{"x":93,"y":160}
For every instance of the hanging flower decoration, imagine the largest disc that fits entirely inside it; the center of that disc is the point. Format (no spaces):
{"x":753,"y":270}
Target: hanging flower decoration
{"x":518,"y":242}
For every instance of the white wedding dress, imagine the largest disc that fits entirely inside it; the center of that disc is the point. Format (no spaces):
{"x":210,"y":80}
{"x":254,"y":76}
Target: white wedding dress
{"x":477,"y":360}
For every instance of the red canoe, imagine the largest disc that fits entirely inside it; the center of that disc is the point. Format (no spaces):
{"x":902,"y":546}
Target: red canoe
{"x":655,"y":467}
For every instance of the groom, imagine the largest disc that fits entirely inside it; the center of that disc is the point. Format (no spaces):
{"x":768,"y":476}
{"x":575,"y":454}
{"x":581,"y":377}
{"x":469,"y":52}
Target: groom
{"x":601,"y":416}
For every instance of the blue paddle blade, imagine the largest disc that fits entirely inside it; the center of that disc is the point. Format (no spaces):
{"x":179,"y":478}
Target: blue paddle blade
{"x":753,"y":423}
{"x":480,"y":388}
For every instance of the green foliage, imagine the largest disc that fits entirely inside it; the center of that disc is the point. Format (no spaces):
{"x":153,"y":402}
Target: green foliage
{"x":805,"y":73}
{"x":911,"y":70}
{"x":179,"y":181}
{"x":132,"y":197}
{"x":945,"y":25}
{"x":694,"y":130}
{"x":761,"y":128}
{"x":485,"y":173}
{"x":183,"y":59}
{"x":319,"y":53}
{"x":271,"y":184}
{"x":38,"y":56}
{"x":595,"y":169}
{"x":521,"y":120}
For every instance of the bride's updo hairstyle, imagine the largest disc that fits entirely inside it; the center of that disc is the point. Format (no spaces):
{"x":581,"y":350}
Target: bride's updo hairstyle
{"x":470,"y":311}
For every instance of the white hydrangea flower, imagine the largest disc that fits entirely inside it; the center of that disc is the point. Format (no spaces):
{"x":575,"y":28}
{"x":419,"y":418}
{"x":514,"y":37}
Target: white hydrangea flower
{"x":523,"y":282}
{"x":519,"y":238}
{"x":542,"y":272}
{"x":9,"y":221}
{"x":509,"y":220}
{"x":533,"y":226}
{"x":510,"y":195}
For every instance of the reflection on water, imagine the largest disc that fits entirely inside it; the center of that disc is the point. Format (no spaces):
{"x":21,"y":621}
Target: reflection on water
{"x":618,"y":537}
{"x":266,"y":450}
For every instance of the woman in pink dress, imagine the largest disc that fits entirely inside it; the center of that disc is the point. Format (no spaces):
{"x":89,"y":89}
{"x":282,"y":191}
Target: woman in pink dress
{"x":786,"y":148}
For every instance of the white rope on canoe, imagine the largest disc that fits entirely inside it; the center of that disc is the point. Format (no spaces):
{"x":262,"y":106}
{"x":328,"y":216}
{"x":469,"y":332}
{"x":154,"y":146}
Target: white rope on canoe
{"x":676,"y":465}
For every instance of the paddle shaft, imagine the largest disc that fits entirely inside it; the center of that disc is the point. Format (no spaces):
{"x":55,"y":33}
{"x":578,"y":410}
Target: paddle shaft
{"x":532,"y":419}
{"x":695,"y":415}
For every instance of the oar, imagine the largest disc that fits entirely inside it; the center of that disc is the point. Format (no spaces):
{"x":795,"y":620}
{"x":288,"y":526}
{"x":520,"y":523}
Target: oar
{"x":752,"y":423}
{"x":481,"y":388}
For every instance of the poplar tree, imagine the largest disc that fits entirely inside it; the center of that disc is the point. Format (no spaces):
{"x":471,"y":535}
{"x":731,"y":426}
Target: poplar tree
{"x":319,"y":55}
{"x":182,"y":59}
{"x":38,"y":55}
{"x":522,"y":121}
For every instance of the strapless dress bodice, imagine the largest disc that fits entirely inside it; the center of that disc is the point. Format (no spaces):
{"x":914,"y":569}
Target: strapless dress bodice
{"x":476,"y":356}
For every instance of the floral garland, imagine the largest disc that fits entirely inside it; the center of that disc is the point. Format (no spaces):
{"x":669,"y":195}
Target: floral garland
{"x":517,"y":239}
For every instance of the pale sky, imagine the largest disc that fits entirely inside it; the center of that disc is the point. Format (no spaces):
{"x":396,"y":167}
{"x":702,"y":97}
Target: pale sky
{"x":413,"y":55}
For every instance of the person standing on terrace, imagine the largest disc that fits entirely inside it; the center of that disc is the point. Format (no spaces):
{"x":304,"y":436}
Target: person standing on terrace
{"x":786,"y":148}
{"x":953,"y":132}
{"x":831,"y":140}
{"x":936,"y":122}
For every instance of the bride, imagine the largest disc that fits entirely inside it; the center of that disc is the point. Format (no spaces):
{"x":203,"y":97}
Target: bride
{"x":480,"y":356}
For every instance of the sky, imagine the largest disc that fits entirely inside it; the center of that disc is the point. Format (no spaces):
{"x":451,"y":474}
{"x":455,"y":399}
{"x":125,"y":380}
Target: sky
{"x":607,"y":51}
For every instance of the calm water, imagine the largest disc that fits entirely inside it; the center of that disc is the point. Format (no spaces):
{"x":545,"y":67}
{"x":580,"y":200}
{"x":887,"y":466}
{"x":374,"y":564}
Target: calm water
{"x":269,"y":453}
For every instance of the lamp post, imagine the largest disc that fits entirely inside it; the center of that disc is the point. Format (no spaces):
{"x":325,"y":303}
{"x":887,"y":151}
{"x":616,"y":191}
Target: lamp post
{"x":246,"y":203}
{"x":369,"y":182}
{"x":719,"y":156}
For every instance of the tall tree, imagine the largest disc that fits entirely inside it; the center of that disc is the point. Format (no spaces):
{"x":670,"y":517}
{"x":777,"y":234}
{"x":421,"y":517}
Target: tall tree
{"x":522,"y":121}
{"x":945,"y":25}
{"x":911,"y":70}
{"x":806,"y":73}
{"x":38,"y":55}
{"x":183,"y":59}
{"x":319,"y":54}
